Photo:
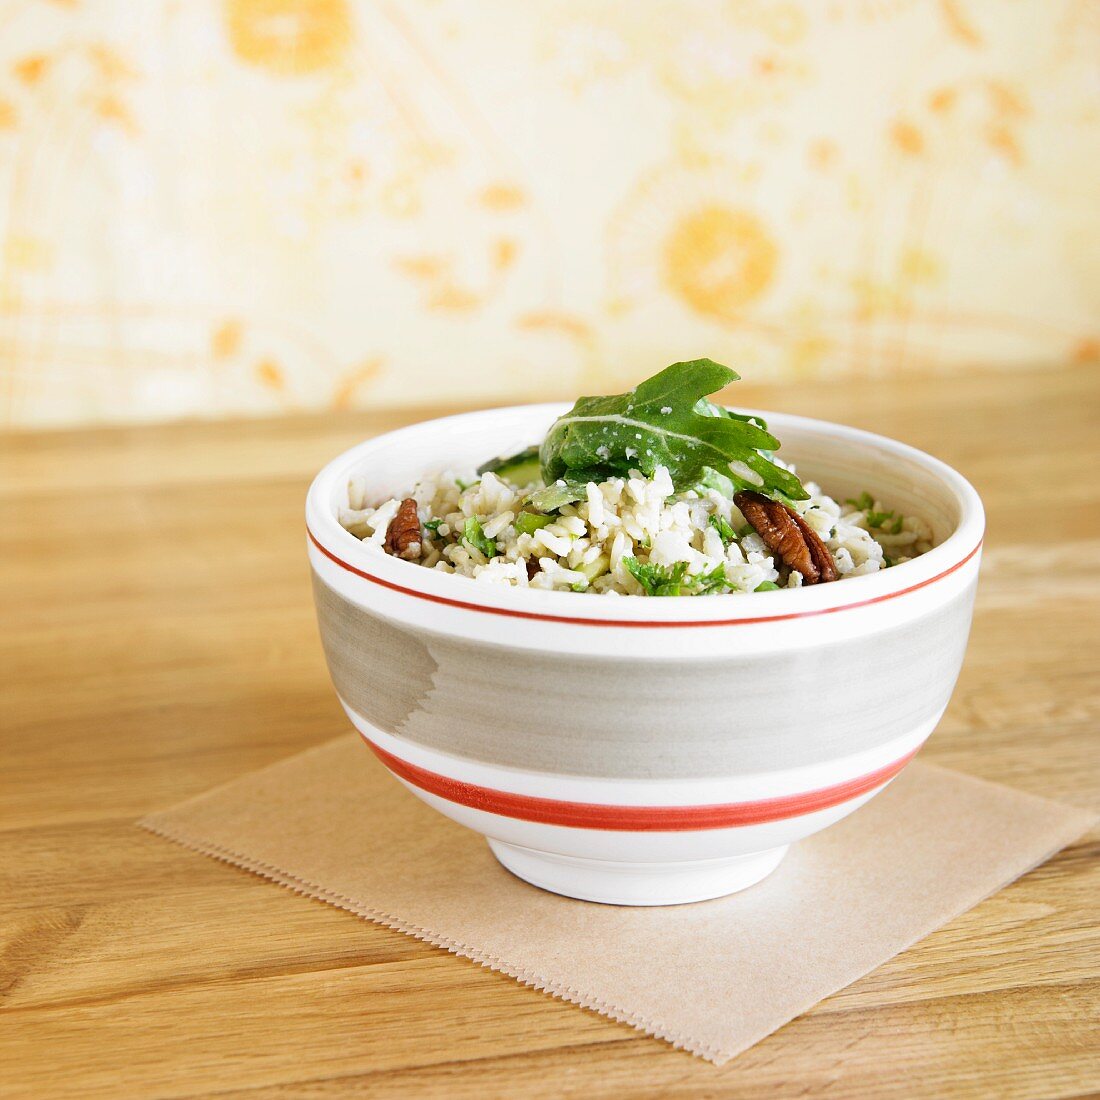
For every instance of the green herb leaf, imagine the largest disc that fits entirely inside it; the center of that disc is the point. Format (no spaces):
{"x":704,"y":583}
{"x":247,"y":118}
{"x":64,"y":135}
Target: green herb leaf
{"x":766,"y":586}
{"x":880,"y":519}
{"x":659,"y":423}
{"x":705,"y":583}
{"x":657,"y":580}
{"x":664,"y":580}
{"x":433,"y":525}
{"x":527,"y":523}
{"x":725,"y":531}
{"x":474,"y":536}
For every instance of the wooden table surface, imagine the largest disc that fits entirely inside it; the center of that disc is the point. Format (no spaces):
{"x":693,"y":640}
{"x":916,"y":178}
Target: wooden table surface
{"x":159,"y":640}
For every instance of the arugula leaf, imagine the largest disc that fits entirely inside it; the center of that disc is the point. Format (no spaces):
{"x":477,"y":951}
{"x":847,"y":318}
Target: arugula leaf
{"x":659,"y":423}
{"x":558,"y":494}
{"x":712,"y":479}
{"x":728,"y":484}
{"x":706,"y":407}
{"x":474,"y":536}
{"x":725,"y":531}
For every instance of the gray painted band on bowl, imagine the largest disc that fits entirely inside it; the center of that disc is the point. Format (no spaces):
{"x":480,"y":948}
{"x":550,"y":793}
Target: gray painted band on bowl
{"x":611,"y":717}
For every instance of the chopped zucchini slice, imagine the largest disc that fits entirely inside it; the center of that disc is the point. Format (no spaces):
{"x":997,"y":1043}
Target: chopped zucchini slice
{"x":518,"y":469}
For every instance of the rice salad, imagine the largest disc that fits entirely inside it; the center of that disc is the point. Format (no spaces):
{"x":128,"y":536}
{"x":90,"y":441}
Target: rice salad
{"x":623,"y":525}
{"x":634,"y":496}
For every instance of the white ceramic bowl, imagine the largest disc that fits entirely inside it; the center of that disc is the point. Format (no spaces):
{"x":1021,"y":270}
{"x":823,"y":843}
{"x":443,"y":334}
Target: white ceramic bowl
{"x":644,"y":751}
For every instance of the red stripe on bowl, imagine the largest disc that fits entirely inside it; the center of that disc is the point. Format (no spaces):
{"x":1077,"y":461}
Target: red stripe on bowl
{"x":634,"y":819}
{"x":678,"y":623}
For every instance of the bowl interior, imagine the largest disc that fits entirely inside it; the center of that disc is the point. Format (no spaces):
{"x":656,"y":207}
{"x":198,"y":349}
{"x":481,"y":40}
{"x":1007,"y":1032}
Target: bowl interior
{"x":843,"y":461}
{"x":845,"y":467}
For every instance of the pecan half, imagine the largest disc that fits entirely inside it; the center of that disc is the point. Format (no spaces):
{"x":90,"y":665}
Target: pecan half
{"x":788,"y":535}
{"x":403,"y":537}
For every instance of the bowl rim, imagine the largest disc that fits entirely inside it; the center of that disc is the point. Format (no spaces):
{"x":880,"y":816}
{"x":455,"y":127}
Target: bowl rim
{"x":328,"y":538}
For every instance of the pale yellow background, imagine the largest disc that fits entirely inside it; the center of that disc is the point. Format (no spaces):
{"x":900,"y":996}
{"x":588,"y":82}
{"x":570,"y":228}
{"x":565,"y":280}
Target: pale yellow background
{"x":262,"y":205}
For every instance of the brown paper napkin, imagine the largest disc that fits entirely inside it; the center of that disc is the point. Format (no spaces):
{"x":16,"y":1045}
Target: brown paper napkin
{"x":714,"y":977}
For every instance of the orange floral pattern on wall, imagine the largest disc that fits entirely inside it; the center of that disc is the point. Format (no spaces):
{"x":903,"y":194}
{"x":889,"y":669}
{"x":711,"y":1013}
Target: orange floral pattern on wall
{"x":288,"y":37}
{"x":232,"y":207}
{"x":718,"y":260}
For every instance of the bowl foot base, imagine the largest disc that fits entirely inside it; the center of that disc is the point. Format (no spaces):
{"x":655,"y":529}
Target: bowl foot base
{"x":616,"y":883}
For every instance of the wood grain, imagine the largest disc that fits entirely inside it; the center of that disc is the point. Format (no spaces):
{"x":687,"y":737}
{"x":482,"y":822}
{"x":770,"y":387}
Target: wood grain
{"x":159,"y":639}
